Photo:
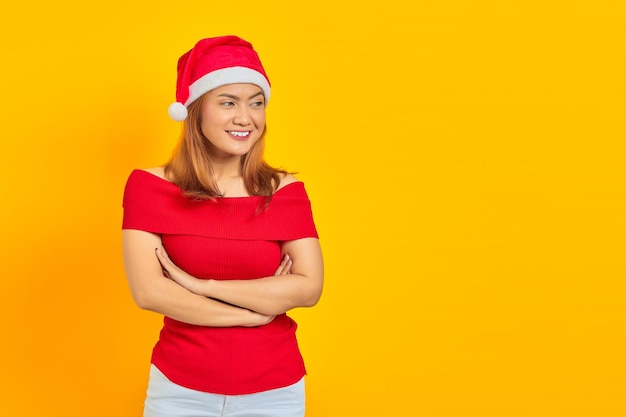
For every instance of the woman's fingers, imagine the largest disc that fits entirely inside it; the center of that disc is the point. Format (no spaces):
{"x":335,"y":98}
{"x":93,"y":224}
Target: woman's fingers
{"x":260,"y":319}
{"x":178,"y":275}
{"x":162,"y":260}
{"x":285,"y":266}
{"x":163,"y":257}
{"x":168,"y":266}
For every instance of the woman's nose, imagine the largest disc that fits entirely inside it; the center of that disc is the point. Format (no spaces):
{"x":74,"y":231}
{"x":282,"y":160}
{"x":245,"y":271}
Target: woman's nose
{"x":242,"y":117}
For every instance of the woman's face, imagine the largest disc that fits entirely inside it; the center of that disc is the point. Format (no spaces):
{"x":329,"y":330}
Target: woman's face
{"x":233,"y":118}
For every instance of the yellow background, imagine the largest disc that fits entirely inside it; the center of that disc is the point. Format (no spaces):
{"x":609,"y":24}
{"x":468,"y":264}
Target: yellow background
{"x":466,"y":164}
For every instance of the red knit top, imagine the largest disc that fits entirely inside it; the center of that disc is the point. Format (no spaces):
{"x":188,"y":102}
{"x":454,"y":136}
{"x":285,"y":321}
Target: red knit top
{"x":227,"y":238}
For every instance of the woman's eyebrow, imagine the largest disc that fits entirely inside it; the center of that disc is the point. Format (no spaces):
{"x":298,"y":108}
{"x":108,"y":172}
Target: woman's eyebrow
{"x":237,"y":98}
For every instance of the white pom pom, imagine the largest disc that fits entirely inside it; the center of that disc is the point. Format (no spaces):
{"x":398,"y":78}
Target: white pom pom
{"x":177,"y":111}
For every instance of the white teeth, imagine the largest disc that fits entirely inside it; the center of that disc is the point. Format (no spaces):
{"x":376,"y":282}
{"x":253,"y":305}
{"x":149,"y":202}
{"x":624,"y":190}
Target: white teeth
{"x":240,"y":134}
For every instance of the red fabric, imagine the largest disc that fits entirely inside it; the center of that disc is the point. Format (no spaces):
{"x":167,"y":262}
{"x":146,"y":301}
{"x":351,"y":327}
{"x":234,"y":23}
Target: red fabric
{"x":229,"y":238}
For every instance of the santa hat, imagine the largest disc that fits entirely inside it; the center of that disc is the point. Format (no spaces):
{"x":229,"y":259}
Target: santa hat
{"x":214,"y":62}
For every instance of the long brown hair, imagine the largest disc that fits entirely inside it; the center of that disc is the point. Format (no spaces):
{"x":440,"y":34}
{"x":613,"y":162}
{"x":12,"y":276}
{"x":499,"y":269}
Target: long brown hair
{"x":190,"y":165}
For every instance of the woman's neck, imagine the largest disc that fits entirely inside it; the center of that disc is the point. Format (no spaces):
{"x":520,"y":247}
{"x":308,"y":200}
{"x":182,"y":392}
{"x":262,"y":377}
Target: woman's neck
{"x":226,"y":168}
{"x":227,"y":177}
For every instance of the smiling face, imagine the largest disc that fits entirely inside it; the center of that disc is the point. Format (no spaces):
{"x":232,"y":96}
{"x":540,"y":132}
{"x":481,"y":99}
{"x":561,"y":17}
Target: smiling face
{"x":233,"y":118}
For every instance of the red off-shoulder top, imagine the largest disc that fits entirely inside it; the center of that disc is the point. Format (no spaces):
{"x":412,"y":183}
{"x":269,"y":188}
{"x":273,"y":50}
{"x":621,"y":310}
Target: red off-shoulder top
{"x":226,"y":238}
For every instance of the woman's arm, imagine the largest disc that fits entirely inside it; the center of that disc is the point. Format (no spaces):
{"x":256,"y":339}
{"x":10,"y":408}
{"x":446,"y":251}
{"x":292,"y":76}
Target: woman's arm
{"x":278,"y":294}
{"x":151,"y":290}
{"x":302,"y":287}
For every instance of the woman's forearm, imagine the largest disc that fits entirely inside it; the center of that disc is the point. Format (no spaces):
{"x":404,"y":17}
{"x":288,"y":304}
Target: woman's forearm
{"x":272,"y":295}
{"x":155,"y":292}
{"x":300,"y":287}
{"x":170,"y":299}
{"x":278,"y":294}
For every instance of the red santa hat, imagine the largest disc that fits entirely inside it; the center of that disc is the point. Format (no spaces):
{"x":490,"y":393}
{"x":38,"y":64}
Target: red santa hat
{"x":214,"y":62}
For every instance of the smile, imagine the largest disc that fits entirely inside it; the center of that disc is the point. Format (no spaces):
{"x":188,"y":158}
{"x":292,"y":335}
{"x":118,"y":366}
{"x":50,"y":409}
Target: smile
{"x":239,"y":134}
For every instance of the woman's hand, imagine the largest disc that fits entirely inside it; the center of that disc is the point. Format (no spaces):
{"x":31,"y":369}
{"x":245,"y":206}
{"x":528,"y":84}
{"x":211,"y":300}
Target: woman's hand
{"x":179,"y":276}
{"x":258,"y":319}
{"x":285,"y":266}
{"x":294,"y":284}
{"x":200,"y":286}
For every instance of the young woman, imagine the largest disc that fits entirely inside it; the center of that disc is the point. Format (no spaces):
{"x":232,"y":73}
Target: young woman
{"x":222,"y":245}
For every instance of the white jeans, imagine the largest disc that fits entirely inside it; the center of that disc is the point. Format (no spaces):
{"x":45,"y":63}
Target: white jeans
{"x":166,"y":399}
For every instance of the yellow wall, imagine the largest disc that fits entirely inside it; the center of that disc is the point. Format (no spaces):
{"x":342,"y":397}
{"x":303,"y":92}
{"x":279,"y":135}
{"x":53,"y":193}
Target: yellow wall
{"x":466,"y":164}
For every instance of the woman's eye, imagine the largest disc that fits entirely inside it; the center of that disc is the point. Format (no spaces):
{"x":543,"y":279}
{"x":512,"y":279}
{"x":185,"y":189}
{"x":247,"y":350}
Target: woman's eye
{"x":257,"y":104}
{"x":228,"y":103}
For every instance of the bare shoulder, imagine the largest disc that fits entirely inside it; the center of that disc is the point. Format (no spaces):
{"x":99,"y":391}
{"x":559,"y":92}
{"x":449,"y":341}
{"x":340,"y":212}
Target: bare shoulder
{"x":156,"y":171}
{"x":287,"y":179}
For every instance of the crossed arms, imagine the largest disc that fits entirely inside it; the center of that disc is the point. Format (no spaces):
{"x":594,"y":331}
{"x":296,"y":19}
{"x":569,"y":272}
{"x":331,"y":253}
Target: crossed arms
{"x":297,"y":282}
